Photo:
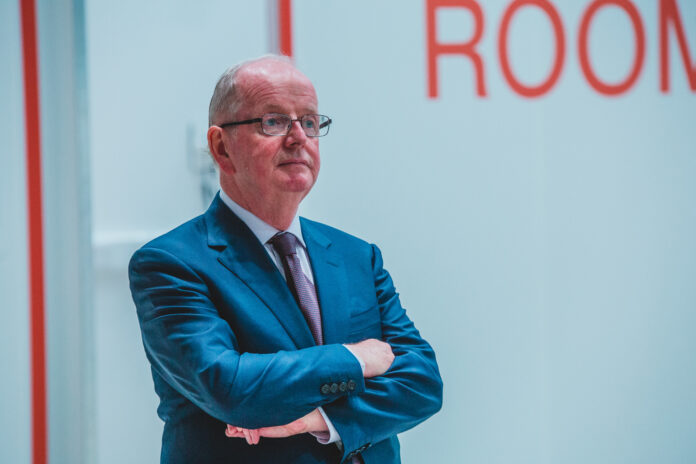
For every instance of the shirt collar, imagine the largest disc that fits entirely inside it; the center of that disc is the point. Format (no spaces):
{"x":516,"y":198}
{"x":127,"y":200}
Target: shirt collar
{"x":259,"y":228}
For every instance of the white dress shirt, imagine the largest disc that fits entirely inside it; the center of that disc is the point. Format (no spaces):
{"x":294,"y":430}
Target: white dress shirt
{"x":264,"y":232}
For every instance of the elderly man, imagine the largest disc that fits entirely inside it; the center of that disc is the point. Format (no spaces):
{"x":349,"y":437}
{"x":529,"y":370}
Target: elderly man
{"x":287,"y":330}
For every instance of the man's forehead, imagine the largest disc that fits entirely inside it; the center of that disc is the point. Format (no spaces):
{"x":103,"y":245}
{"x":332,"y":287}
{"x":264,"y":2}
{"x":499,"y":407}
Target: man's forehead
{"x":271,"y":72}
{"x":266,"y":83}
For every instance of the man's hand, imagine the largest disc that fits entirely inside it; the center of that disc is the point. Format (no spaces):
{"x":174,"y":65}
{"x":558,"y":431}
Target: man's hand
{"x":376,"y":354}
{"x":251,"y":435}
{"x":312,"y":422}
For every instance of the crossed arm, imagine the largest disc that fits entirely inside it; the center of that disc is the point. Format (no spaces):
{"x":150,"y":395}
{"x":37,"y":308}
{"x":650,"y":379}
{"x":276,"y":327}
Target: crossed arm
{"x":377,"y":356}
{"x":195,"y":351}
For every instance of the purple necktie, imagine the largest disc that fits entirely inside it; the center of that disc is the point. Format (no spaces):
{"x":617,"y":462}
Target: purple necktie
{"x":302,"y":289}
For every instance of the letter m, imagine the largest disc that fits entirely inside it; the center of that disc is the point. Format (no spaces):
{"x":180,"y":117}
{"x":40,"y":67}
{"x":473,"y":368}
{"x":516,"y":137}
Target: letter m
{"x":669,"y":15}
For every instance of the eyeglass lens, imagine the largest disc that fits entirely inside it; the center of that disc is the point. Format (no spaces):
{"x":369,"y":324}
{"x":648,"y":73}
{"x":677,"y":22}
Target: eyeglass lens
{"x":314,"y":125}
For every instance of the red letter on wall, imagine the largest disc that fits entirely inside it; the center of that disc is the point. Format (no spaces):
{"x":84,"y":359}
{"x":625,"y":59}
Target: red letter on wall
{"x":599,"y":86}
{"x":516,"y":85}
{"x":670,"y":14}
{"x":435,"y":48}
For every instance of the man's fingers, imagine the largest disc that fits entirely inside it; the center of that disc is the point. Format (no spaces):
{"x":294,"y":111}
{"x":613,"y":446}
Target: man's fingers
{"x":376,"y":354}
{"x":247,"y":436}
{"x":234,"y":432}
{"x":273,"y":432}
{"x":252,"y":436}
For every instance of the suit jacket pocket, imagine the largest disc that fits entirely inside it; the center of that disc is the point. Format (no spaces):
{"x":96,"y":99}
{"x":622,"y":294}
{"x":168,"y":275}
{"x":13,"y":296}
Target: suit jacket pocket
{"x":365,"y":324}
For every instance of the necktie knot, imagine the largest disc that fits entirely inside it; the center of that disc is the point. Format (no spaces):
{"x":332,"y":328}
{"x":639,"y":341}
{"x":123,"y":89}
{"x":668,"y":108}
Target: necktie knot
{"x":285,"y":243}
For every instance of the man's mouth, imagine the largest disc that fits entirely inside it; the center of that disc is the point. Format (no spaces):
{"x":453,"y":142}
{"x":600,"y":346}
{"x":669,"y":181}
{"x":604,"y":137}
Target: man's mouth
{"x":291,"y":162}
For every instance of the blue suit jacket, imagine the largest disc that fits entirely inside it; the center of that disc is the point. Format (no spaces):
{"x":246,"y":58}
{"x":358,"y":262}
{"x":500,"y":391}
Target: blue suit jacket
{"x":228,"y":344}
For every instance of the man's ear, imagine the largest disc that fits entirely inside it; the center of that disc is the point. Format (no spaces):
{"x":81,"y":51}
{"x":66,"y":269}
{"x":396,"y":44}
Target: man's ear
{"x":220,"y":152}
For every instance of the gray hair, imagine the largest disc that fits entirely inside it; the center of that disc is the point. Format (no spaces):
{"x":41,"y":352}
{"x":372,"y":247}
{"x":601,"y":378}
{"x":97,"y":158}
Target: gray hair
{"x":226,"y":99}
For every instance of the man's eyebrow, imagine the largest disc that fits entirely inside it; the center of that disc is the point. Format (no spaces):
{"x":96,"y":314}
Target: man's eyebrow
{"x":273,"y":108}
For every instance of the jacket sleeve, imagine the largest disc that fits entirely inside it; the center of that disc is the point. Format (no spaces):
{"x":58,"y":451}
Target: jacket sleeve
{"x":407,"y":394}
{"x":196,"y":352}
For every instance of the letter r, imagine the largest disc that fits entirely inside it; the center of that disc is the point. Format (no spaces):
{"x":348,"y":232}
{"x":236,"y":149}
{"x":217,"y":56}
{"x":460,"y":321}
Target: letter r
{"x":435,"y":48}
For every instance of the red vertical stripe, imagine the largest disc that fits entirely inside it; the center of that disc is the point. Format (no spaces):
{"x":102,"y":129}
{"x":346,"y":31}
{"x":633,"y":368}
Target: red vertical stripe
{"x":285,"y":26}
{"x":35,"y":226}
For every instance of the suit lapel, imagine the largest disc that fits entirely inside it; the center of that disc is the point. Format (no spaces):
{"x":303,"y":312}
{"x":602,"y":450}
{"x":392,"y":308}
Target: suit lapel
{"x":330,"y":282}
{"x":244,"y":256}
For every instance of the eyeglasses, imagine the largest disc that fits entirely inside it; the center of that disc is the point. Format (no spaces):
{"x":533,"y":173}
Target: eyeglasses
{"x":314,"y":125}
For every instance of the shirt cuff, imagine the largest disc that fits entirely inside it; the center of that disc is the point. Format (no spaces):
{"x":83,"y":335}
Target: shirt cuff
{"x":326,"y":437}
{"x":362,"y":363}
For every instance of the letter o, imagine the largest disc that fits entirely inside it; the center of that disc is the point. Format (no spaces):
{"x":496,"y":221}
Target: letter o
{"x":598,"y":85}
{"x":545,"y":86}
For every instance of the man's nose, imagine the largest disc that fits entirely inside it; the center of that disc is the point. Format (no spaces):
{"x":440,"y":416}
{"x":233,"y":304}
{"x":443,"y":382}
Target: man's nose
{"x":296,"y":134}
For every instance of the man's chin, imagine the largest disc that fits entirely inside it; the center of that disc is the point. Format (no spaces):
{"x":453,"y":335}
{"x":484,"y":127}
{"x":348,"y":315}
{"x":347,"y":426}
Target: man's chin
{"x":297,"y":188}
{"x":298,"y":184}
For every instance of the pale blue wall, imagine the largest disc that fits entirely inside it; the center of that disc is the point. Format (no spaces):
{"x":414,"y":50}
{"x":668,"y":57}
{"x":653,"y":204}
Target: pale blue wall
{"x":545,"y":247}
{"x":66,"y":242}
{"x":15,"y":398}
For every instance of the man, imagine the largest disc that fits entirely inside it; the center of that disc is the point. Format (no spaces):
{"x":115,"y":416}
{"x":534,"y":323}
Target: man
{"x":287,"y":330}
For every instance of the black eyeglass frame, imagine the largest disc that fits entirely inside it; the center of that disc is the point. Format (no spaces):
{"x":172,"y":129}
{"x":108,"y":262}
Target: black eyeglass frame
{"x":326,"y":124}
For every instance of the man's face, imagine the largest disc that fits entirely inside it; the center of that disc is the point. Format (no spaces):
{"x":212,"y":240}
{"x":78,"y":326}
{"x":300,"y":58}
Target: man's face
{"x":267,"y":166}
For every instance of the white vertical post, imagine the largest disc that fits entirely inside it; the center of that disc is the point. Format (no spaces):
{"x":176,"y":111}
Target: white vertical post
{"x":67,"y":234}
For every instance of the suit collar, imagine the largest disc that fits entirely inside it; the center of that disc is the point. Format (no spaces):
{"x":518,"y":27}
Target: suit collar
{"x":243,"y":255}
{"x":262,"y":230}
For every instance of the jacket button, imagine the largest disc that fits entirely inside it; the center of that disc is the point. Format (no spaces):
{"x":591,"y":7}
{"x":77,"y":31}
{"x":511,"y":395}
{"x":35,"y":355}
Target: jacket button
{"x":342,"y":387}
{"x":325,"y":389}
{"x":334,"y":387}
{"x":351,"y":385}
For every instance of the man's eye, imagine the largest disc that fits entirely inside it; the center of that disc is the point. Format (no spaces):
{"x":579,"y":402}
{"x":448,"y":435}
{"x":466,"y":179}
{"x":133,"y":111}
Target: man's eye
{"x":310,"y":123}
{"x":271,"y":122}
